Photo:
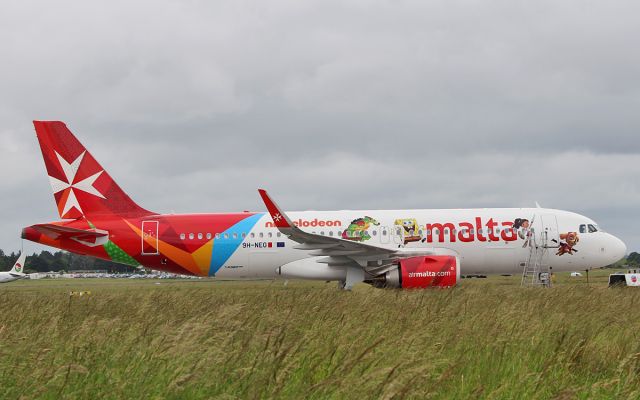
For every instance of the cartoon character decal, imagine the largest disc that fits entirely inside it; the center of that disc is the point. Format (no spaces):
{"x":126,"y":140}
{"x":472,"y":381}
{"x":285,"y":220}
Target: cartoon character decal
{"x":567,"y":242}
{"x":410,"y":230}
{"x":523,"y":227}
{"x":358,"y":230}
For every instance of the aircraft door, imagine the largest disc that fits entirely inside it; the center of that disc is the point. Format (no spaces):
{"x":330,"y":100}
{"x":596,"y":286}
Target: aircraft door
{"x":549,"y":235}
{"x":150,"y":238}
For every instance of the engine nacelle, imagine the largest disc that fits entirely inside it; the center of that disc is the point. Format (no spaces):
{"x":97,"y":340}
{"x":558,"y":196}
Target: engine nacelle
{"x":422,"y":272}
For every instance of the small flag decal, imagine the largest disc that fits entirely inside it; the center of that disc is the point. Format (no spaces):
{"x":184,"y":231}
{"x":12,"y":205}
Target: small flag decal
{"x":280,"y":244}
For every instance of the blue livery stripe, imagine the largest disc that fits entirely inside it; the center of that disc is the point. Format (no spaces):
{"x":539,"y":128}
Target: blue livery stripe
{"x":224,"y":248}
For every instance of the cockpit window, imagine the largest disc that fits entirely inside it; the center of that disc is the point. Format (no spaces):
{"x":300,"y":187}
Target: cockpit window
{"x":592,"y":228}
{"x":583,"y":229}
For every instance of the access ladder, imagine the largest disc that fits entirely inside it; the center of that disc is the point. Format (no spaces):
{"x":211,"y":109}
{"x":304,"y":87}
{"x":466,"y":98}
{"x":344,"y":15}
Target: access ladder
{"x":536,"y":272}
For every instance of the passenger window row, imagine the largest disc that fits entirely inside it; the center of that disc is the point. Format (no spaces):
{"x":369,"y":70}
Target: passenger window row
{"x":234,"y":235}
{"x":383,"y":232}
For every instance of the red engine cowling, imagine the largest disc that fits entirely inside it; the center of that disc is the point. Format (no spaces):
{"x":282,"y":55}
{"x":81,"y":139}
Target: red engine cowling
{"x":424,"y":272}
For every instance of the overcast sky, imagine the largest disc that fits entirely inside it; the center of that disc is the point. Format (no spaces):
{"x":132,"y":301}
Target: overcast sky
{"x":193,"y":105}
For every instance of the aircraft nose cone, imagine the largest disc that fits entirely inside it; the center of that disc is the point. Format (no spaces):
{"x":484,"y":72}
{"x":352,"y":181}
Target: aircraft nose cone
{"x":615,"y":249}
{"x":618,"y":249}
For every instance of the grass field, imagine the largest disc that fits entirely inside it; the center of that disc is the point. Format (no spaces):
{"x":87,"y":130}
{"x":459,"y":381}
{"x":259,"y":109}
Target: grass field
{"x":487,"y":338}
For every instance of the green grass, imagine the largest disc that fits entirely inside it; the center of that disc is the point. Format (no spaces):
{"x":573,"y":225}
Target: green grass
{"x":486,"y":338}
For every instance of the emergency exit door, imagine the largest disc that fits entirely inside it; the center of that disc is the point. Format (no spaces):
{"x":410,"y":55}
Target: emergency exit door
{"x":150,"y":238}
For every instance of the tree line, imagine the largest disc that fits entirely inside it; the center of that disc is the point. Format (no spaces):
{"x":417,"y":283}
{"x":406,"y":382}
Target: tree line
{"x":47,"y":261}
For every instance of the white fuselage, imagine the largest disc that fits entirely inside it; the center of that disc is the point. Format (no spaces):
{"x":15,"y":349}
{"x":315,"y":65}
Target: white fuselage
{"x":484,"y":239}
{"x":6,"y":277}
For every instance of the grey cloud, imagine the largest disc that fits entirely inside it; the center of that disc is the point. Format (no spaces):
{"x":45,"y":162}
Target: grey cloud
{"x":331,"y":104}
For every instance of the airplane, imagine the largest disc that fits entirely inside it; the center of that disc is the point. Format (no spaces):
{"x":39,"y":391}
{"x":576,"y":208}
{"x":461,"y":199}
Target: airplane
{"x":384,"y":248}
{"x":16,"y":272}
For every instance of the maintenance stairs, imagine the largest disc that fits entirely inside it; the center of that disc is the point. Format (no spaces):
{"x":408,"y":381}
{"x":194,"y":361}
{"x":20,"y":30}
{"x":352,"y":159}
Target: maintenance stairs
{"x":535,"y":271}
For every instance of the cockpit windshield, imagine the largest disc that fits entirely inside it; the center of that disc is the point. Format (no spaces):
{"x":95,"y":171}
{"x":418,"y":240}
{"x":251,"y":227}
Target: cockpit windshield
{"x":590,"y":228}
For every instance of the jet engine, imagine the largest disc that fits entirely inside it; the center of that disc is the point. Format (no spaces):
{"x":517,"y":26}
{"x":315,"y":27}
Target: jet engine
{"x":421,"y":272}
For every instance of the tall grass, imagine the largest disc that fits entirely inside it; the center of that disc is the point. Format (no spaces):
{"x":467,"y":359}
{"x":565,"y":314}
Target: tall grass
{"x":266,"y":340}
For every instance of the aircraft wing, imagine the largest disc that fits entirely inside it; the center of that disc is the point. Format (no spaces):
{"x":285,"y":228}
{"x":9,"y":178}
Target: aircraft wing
{"x":89,"y":237}
{"x":339,"y":252}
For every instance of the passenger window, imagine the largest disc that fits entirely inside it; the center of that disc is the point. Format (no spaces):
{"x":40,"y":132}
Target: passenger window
{"x":183,"y":236}
{"x":374,"y":232}
{"x":278,"y":234}
{"x":191,"y":236}
{"x":208,"y":236}
{"x":270,"y":234}
{"x":330,"y":233}
{"x":384,"y":233}
{"x":244,"y":235}
{"x":217,"y":236}
{"x":252,"y":235}
{"x":199,"y":236}
{"x":583,"y":229}
{"x":261,"y":234}
{"x":226,"y":236}
{"x":592,"y":229}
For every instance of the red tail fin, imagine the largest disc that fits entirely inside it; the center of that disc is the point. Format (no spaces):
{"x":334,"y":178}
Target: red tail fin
{"x":81,"y":187}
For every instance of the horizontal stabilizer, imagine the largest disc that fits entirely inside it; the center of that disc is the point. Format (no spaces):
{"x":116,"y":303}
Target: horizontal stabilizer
{"x":89,"y":237}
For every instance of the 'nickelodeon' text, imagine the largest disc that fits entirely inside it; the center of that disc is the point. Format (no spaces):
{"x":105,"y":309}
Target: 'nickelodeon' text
{"x":309,"y":223}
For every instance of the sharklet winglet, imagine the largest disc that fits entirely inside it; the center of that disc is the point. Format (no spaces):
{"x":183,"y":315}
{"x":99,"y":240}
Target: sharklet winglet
{"x":280,"y":219}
